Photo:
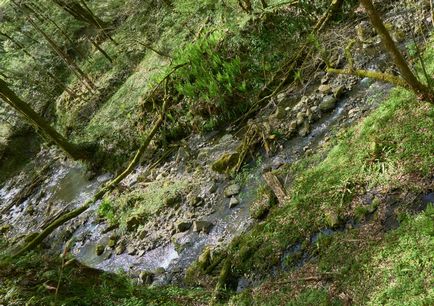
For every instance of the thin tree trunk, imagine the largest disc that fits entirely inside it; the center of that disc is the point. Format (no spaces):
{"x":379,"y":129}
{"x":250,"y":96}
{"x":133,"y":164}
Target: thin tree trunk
{"x":69,"y":62}
{"x":420,"y":89}
{"x":39,"y":123}
{"x":107,"y":188}
{"x":51,"y":75}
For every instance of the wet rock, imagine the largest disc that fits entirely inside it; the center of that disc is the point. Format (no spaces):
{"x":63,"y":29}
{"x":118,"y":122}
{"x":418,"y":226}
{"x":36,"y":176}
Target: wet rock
{"x":202,"y":226}
{"x":328,"y":103}
{"x":180,"y":241}
{"x":99,"y":250}
{"x":232,"y":190}
{"x":131,"y":250}
{"x":233,"y":202}
{"x":338,"y":91}
{"x":182,"y":226}
{"x":120,"y":249}
{"x":226,"y":162}
{"x":146,"y":277}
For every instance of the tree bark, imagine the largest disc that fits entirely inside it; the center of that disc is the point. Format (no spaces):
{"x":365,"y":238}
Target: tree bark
{"x":423,"y":91}
{"x":40,"y":123}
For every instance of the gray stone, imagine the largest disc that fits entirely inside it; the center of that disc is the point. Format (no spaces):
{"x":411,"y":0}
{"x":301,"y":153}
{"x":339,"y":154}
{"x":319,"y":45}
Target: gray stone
{"x":202,"y":226}
{"x":328,"y":103}
{"x":131,"y":250}
{"x":233,"y":202}
{"x":120,"y":249}
{"x":300,"y":118}
{"x":232,"y":190}
{"x":325,"y":88}
{"x":182,"y":226}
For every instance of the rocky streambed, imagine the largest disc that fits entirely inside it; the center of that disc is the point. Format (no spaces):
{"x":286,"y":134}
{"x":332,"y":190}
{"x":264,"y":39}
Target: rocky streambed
{"x":183,"y":205}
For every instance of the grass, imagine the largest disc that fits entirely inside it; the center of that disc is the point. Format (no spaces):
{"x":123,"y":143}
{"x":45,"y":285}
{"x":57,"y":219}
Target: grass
{"x":33,"y":280}
{"x":388,"y":152}
{"x":141,"y":202}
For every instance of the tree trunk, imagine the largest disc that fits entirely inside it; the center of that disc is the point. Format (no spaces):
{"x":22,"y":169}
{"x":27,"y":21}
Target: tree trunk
{"x":39,"y":123}
{"x":420,"y":89}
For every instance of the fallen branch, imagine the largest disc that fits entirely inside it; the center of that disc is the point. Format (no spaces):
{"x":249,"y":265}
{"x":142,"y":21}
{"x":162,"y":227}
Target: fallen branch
{"x":112,"y":184}
{"x":379,"y":76}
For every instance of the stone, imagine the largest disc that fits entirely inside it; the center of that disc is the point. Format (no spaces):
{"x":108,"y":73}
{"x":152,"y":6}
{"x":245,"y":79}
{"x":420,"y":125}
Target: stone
{"x":293,"y":125}
{"x":338,"y":91}
{"x":226,"y":162}
{"x":233,"y":202}
{"x":202,"y":226}
{"x":182,"y":226}
{"x":120,"y":249}
{"x":300,"y":118}
{"x":213,"y":188}
{"x":324,"y":88}
{"x":131,"y":250}
{"x":232,"y":190}
{"x":99,"y":249}
{"x":146,"y":277}
{"x":328,"y":103}
{"x":160,"y":271}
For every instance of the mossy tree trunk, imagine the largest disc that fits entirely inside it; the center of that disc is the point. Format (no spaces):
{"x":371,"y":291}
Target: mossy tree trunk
{"x":423,"y":91}
{"x":40,"y":123}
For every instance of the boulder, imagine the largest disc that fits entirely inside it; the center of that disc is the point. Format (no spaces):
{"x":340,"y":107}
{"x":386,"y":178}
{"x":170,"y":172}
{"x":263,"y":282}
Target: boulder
{"x":99,"y":249}
{"x":338,"y":91}
{"x":182,"y":226}
{"x":233,"y":202}
{"x":226,"y":162}
{"x":120,"y":249}
{"x":131,"y":250}
{"x":232,"y":190}
{"x":328,"y":103}
{"x":202,"y":226}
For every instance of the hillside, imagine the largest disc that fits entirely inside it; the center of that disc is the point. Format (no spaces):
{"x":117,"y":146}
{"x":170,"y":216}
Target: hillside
{"x":207,"y":152}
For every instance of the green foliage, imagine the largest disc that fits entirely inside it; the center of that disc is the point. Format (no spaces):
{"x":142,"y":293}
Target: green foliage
{"x":210,"y":76}
{"x":106,"y":210}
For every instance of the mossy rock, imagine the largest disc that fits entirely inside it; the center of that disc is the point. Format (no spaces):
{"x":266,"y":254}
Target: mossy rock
{"x":226,"y":162}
